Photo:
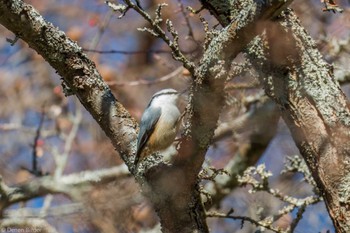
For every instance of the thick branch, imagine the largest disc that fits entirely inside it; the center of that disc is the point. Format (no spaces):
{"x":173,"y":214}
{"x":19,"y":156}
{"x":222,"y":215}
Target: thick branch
{"x":248,"y":153}
{"x":186,"y":213}
{"x":70,"y":185}
{"x":179,"y":205}
{"x":312,"y":103}
{"x":77,"y":71}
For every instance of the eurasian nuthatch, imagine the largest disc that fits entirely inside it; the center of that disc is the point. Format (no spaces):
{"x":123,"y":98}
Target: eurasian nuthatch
{"x":159,"y":123}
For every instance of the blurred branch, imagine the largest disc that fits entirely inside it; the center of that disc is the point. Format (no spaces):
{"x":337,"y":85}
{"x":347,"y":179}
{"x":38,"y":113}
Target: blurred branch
{"x":188,"y":23}
{"x":312,"y":104}
{"x":171,"y":75}
{"x":261,"y":109}
{"x":101,"y":30}
{"x":46,"y":205}
{"x":335,"y":48}
{"x":342,"y":76}
{"x":112,"y":51}
{"x":61,"y":159}
{"x":330,"y":5}
{"x":26,"y":225}
{"x":55,"y":211}
{"x":297,"y":164}
{"x":31,"y":130}
{"x":71,"y":185}
{"x":12,"y":41}
{"x":35,"y":170}
{"x":249,"y":152}
{"x":11,"y":126}
{"x":261,"y":223}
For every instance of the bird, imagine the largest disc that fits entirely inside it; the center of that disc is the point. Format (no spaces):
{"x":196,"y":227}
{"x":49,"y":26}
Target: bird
{"x":159,"y":123}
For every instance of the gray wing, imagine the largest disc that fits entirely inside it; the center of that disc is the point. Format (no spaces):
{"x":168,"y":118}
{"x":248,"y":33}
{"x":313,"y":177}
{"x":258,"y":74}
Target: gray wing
{"x":148,"y":121}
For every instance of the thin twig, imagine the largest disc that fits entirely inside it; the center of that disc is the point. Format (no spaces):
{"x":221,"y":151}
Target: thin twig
{"x":12,"y":41}
{"x":156,"y":30}
{"x":124,"y":52}
{"x":55,"y":211}
{"x":188,"y":23}
{"x":167,"y":77}
{"x":101,"y":30}
{"x":258,"y":176}
{"x":71,"y":185}
{"x":44,"y":133}
{"x":299,"y":216}
{"x":112,"y":51}
{"x":35,"y":171}
{"x":46,"y":205}
{"x":61,"y":159}
{"x":261,"y":223}
{"x":330,"y":5}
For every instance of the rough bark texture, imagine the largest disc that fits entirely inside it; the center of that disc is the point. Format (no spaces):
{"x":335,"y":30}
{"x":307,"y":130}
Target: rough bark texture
{"x":312,"y":103}
{"x":77,"y":71}
{"x":173,"y":189}
{"x":179,"y":209}
{"x":206,"y":101}
{"x":70,"y":185}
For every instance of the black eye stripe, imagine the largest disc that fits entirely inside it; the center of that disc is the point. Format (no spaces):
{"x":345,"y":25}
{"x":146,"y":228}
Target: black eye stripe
{"x":164,"y":93}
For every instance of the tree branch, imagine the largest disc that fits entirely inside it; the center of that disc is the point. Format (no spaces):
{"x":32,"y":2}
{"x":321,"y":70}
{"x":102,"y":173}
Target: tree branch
{"x":26,"y":225}
{"x":206,"y":102}
{"x":78,"y":72}
{"x":248,"y":153}
{"x":259,"y":223}
{"x":179,"y":206}
{"x":71,"y":185}
{"x":312,"y":103}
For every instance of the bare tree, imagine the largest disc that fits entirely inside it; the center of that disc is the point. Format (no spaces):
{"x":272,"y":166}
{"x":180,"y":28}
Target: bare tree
{"x":290,"y":68}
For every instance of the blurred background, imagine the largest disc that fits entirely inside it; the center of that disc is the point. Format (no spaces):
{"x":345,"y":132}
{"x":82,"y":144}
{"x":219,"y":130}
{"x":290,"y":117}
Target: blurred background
{"x":36,"y":119}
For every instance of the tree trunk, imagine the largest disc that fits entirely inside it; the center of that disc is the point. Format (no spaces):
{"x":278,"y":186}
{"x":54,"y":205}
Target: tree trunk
{"x":314,"y":107}
{"x":299,"y":81}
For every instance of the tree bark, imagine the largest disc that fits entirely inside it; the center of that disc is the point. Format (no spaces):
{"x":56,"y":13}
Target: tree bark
{"x":314,"y":107}
{"x":72,"y":185}
{"x":173,"y":190}
{"x":77,"y":71}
